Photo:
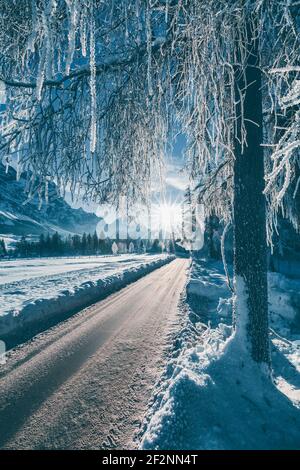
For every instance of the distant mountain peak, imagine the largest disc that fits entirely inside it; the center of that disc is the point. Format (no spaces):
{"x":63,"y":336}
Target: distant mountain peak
{"x":20,"y":215}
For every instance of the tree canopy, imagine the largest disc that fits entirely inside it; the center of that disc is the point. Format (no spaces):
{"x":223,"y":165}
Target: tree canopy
{"x":94,"y":91}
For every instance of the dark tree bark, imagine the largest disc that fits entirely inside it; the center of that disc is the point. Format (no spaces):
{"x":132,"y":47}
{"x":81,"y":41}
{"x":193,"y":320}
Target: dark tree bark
{"x":211,"y":224}
{"x":250,"y":247}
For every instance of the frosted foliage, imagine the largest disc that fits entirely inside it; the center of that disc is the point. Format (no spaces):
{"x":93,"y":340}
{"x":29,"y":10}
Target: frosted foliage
{"x":96,"y":90}
{"x":214,"y":53}
{"x":93,"y":87}
{"x":40,"y":77}
{"x":283,"y":177}
{"x":78,"y":89}
{"x":215,"y":190}
{"x":149,"y":49}
{"x":292,"y":98}
{"x":73,"y":18}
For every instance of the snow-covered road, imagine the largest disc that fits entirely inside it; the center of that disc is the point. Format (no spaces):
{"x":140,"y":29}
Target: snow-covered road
{"x":23,"y":280}
{"x":86,"y":382}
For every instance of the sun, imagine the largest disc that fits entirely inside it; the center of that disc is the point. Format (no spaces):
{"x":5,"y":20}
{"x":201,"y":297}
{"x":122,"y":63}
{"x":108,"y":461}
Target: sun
{"x":166,"y":218}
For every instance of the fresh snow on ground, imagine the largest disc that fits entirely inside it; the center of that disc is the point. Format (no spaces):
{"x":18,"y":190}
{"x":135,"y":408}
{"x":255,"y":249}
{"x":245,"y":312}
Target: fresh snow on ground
{"x":33,"y":289}
{"x":24,"y":269}
{"x":212,"y":396}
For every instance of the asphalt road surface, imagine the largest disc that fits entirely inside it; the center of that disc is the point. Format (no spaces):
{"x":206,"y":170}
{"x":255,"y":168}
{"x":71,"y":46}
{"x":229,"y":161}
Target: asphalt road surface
{"x":86,"y":383}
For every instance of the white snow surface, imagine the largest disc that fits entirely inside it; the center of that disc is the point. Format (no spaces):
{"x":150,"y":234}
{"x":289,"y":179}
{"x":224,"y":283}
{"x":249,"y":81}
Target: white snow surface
{"x":213,"y":396}
{"x":36,"y":288}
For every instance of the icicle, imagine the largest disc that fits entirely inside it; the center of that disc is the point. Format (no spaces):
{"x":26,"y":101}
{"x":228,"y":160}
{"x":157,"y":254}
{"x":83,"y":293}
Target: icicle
{"x":149,"y":49}
{"x":42,"y":63}
{"x":46,"y":17}
{"x":296,"y":188}
{"x":83,"y":32}
{"x":126,"y":23}
{"x":34,"y":20}
{"x":167,"y":11}
{"x":2,"y":92}
{"x":139,"y":22}
{"x":137,"y":9}
{"x":58,"y":61}
{"x":93,"y":84}
{"x":6,"y":164}
{"x":40,"y":199}
{"x":73,"y":12}
{"x":18,"y":172}
{"x":40,"y":80}
{"x":47,"y":191}
{"x":49,"y":46}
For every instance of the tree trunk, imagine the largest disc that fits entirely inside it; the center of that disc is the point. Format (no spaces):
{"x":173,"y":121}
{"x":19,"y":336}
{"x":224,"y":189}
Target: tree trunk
{"x":249,"y":211}
{"x":209,"y":229}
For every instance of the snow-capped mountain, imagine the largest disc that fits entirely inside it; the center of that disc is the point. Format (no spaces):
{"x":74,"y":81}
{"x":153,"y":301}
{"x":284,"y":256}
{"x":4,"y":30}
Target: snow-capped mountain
{"x":20,"y":216}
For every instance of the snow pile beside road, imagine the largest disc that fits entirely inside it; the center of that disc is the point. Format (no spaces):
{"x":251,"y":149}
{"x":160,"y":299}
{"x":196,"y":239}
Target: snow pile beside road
{"x":212,"y":396}
{"x":216,"y":399}
{"x":208,"y":285}
{"x":55,"y":295}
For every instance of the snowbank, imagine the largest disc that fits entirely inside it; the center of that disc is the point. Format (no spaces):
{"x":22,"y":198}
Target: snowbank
{"x":212,"y":395}
{"x":209,"y":285}
{"x":216,"y":399}
{"x":284,"y":298}
{"x":77,"y":296}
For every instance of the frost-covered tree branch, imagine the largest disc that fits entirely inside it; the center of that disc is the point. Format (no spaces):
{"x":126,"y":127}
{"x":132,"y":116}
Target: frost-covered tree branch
{"x":79,"y":93}
{"x":93,"y":87}
{"x":94,"y":91}
{"x":282,"y":180}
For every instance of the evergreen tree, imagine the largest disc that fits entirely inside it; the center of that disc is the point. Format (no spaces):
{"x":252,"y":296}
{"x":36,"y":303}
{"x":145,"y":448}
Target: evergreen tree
{"x":3,"y":250}
{"x":89,"y":242}
{"x":84,"y":243}
{"x":76,"y":243}
{"x":48,"y":244}
{"x":23,"y":247}
{"x":41,"y":243}
{"x":56,"y":244}
{"x":69,"y":245}
{"x":95,"y":243}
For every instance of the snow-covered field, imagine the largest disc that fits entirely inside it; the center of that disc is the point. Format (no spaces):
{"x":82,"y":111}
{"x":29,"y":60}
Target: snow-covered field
{"x":212,"y":396}
{"x":24,"y":269}
{"x":31,"y":289}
